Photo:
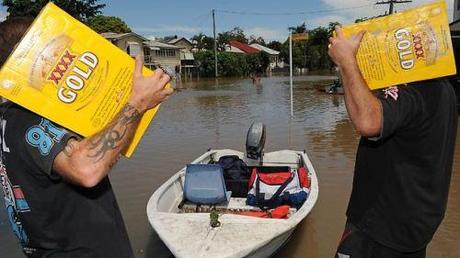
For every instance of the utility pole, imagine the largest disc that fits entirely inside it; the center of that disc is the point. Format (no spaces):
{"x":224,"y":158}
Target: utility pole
{"x":290,"y":73}
{"x":392,"y":3}
{"x":215,"y":40}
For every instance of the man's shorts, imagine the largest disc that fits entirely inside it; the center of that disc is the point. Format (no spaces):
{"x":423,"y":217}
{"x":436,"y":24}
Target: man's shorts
{"x":356,"y":244}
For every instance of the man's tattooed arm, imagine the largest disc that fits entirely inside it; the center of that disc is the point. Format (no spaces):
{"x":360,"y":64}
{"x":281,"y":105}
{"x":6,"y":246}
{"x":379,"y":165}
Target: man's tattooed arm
{"x":115,"y":136}
{"x":86,"y":162}
{"x":92,"y":158}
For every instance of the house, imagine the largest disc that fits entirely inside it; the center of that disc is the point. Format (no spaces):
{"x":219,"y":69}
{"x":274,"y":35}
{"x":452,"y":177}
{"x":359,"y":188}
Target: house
{"x":239,"y":47}
{"x":162,"y":54}
{"x":186,"y":55}
{"x":273,"y":54}
{"x":131,"y":43}
{"x":181,"y":42}
{"x":155,"y":53}
{"x":232,"y":49}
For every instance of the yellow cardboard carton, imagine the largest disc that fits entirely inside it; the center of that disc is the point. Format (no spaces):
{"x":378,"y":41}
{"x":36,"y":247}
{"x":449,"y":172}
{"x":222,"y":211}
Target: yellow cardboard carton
{"x":409,"y":46}
{"x":64,"y":71}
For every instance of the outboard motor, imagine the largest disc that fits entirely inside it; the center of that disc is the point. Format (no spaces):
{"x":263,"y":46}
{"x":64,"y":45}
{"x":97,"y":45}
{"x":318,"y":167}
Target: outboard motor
{"x":255,"y":142}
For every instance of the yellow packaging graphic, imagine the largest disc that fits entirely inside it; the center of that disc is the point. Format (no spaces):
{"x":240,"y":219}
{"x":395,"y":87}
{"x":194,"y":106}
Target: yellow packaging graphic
{"x":409,"y":46}
{"x":66,"y":72}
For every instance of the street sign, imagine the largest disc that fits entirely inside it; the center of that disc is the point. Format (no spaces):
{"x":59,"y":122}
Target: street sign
{"x":299,"y":36}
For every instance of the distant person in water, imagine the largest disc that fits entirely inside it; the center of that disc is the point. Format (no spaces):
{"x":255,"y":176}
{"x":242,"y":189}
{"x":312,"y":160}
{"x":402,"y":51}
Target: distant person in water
{"x":58,"y":198}
{"x":257,"y":75}
{"x":403,"y":163}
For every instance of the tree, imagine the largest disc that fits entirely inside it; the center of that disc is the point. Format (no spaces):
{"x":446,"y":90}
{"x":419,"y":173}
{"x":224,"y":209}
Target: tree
{"x":361,"y":19}
{"x":275,"y":45}
{"x":231,"y":64}
{"x":235,"y":34}
{"x":319,"y":37}
{"x":82,"y":10}
{"x":258,"y":40}
{"x":369,"y":18}
{"x":103,"y":23}
{"x":299,"y":29}
{"x":203,"y":42}
{"x":331,"y":27}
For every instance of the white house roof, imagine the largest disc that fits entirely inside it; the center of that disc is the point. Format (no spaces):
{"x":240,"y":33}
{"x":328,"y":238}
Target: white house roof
{"x":265,"y":49}
{"x":157,"y":44}
{"x":174,"y":41}
{"x":117,"y":36}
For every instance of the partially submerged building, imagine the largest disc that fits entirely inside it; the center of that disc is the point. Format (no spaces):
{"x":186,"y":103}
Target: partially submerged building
{"x":273,"y":54}
{"x":239,"y":47}
{"x":155,"y":52}
{"x":187,"y":60}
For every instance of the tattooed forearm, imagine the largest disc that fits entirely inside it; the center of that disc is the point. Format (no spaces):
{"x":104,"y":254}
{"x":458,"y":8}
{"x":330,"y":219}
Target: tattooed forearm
{"x":115,"y":134}
{"x":70,"y":147}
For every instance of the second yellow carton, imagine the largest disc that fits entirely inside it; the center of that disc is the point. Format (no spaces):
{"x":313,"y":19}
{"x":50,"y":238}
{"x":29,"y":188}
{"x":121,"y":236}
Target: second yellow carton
{"x":409,"y":46}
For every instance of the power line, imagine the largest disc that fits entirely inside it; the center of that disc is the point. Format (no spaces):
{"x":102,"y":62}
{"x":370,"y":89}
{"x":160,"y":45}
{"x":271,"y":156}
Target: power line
{"x":392,"y":3}
{"x":293,"y":13}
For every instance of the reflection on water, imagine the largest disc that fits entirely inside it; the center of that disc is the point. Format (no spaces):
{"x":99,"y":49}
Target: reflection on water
{"x":217,"y":114}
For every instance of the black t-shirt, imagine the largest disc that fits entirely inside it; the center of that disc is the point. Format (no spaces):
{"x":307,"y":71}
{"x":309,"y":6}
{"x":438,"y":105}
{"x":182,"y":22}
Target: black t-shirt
{"x":51,"y":217}
{"x":402,"y":178}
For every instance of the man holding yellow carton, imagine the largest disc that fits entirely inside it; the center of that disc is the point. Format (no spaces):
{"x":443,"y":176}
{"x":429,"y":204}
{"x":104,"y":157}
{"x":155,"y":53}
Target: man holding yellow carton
{"x":58,"y":197}
{"x":404,"y":159}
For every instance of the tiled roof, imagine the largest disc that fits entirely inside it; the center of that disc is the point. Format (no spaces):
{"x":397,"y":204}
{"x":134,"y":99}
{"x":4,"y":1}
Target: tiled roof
{"x":232,"y":49}
{"x":243,"y":47}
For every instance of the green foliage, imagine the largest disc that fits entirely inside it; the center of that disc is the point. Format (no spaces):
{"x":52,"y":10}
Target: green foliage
{"x":235,"y":34}
{"x":311,"y":54}
{"x":368,"y":18}
{"x":258,"y":40}
{"x":275,"y":45}
{"x":205,"y":63}
{"x":319,"y":40}
{"x":103,"y":23}
{"x":361,"y":19}
{"x":82,"y":10}
{"x":331,"y":27}
{"x":203,"y":42}
{"x":299,"y":29}
{"x":299,"y":53}
{"x":231,"y":64}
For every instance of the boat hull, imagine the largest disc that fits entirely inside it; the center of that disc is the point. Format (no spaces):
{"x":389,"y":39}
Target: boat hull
{"x":190,"y":234}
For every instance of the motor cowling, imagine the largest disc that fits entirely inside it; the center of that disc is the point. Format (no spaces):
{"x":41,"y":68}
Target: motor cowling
{"x":255,"y":142}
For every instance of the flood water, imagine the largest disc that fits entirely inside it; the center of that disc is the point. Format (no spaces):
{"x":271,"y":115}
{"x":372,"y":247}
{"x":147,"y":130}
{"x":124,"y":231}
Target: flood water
{"x":217,"y":114}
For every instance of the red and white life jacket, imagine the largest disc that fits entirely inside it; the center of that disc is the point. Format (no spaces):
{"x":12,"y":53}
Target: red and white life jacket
{"x":272,"y":189}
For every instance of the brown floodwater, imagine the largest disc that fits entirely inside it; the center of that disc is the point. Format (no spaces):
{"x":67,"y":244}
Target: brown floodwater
{"x":216,"y":114}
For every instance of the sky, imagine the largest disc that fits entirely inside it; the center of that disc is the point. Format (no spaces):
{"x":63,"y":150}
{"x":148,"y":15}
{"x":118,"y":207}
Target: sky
{"x":269,"y":19}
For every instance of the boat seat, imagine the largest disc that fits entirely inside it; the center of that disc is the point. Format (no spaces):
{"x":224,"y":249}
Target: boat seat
{"x":204,"y":184}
